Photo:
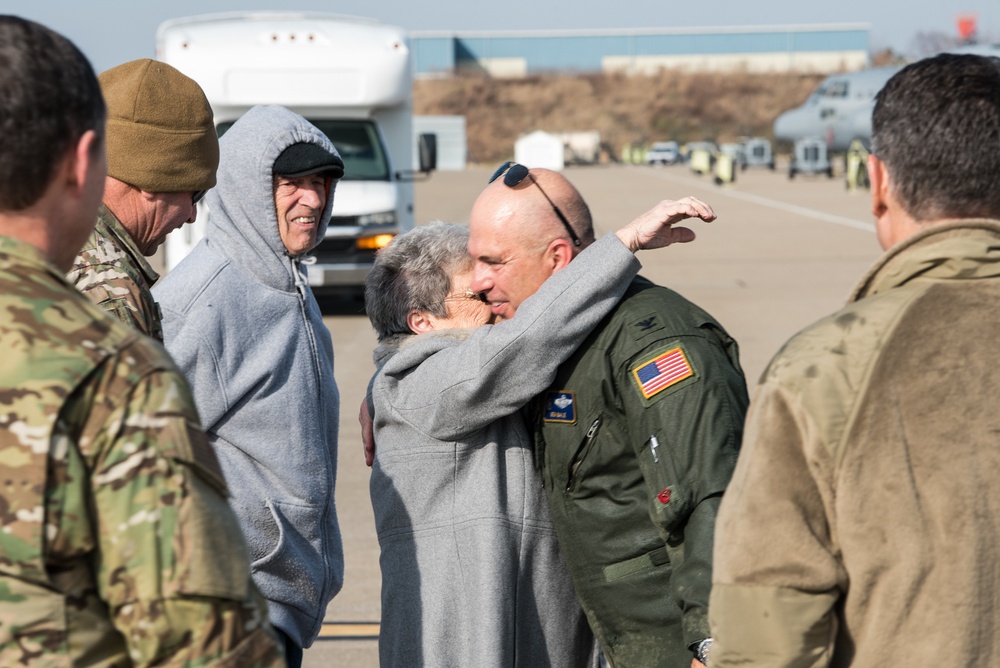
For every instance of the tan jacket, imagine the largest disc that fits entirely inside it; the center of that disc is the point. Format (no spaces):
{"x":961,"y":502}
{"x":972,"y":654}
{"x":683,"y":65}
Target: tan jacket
{"x":862,"y":524}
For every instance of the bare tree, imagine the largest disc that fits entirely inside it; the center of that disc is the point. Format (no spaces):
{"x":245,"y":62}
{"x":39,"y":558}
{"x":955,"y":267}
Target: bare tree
{"x":929,"y":43}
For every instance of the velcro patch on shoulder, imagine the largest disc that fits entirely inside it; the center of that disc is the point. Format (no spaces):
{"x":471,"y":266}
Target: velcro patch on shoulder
{"x":664,"y":370}
{"x":560,"y":407}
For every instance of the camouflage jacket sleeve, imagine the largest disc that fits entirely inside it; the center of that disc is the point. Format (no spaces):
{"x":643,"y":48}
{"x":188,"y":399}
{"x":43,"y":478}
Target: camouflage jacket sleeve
{"x":117,"y":298}
{"x":172,"y":566}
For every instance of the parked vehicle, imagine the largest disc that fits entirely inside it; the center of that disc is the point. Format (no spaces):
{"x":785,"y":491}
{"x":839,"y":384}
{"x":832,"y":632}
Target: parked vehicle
{"x":352,"y":79}
{"x":736,"y":152}
{"x":663,"y":153}
{"x":757,"y":153}
{"x":700,"y":156}
{"x":810,"y":157}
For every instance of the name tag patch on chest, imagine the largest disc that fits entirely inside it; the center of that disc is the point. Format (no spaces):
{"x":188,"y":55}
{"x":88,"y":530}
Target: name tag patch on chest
{"x":666,"y":369}
{"x":560,"y":407}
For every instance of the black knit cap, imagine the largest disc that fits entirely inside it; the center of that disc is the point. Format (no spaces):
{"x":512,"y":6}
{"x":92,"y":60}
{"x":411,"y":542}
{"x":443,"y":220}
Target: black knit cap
{"x":305,"y":158}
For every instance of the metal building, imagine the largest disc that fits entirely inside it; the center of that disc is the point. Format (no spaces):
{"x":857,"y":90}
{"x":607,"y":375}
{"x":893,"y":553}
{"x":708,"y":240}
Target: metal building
{"x":803,"y":48}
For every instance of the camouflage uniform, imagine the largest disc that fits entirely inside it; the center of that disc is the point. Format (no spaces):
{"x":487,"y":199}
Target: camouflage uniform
{"x":112,"y":272}
{"x":118,"y":547}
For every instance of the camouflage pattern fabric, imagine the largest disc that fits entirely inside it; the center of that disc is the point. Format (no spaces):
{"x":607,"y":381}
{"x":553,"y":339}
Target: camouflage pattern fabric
{"x":118,"y":546}
{"x":111,"y":272}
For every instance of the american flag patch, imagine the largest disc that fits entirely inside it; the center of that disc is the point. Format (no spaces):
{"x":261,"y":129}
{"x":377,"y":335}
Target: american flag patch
{"x":662,"y":371}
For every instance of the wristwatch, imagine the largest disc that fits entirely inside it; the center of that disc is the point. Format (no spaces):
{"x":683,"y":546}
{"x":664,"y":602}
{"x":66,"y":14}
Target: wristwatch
{"x":701,"y":649}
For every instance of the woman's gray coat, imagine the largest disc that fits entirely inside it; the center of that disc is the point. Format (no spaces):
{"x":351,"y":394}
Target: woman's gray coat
{"x":471,"y":569}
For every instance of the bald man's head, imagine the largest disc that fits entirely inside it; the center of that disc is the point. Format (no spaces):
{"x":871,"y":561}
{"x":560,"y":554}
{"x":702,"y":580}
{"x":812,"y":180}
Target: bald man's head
{"x":517,"y":240}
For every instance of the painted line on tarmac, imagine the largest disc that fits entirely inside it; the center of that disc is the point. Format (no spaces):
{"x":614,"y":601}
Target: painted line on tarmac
{"x":349,"y":631}
{"x":777,"y":204}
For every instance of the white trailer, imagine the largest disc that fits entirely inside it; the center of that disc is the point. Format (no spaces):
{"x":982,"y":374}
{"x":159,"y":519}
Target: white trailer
{"x":351,"y":78}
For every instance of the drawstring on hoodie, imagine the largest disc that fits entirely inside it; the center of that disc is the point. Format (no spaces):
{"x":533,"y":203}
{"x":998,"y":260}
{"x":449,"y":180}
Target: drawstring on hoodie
{"x":301,"y":287}
{"x":298,"y":273}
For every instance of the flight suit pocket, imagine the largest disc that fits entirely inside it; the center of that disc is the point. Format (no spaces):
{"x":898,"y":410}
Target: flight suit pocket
{"x":586,"y":445}
{"x":669,"y":503}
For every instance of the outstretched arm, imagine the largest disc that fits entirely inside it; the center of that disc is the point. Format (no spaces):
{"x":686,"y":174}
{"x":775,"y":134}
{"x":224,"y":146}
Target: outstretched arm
{"x":655,"y":228}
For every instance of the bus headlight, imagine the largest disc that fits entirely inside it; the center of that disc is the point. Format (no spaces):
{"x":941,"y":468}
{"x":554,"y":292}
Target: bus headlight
{"x":377,"y":242}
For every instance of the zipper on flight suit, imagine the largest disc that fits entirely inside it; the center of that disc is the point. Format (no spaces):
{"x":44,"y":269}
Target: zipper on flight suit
{"x":578,"y":459}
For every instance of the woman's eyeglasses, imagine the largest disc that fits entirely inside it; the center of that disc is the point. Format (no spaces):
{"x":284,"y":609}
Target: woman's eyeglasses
{"x":513,"y":173}
{"x":466,"y":296}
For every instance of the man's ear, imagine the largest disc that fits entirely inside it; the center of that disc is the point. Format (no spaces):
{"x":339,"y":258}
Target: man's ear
{"x":80,"y":160}
{"x":420,"y":322}
{"x":559,"y":253}
{"x":879,"y":179}
{"x":887,"y":217}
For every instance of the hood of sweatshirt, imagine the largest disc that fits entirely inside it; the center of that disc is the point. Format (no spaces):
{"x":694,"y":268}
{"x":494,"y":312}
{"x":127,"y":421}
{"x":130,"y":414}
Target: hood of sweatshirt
{"x":243,"y":222}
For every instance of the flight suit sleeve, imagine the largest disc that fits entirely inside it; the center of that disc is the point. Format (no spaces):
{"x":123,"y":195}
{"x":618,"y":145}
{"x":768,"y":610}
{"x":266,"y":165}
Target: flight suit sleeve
{"x":684,"y":401}
{"x":777,"y":579}
{"x":171,"y":563}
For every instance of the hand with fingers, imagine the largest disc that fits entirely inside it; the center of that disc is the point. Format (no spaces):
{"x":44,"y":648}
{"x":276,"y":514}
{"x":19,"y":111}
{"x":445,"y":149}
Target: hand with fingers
{"x":655,"y":228}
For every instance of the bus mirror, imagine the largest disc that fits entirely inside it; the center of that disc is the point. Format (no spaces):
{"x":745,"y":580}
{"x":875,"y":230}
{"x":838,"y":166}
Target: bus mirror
{"x":427,"y":146}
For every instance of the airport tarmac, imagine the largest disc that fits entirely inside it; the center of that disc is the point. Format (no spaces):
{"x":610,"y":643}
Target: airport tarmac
{"x":781,"y":255}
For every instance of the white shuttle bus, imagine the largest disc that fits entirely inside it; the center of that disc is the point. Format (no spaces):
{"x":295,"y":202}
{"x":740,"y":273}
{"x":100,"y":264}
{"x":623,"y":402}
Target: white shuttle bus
{"x":351,"y":78}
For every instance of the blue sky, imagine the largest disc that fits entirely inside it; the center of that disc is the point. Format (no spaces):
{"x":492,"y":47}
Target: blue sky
{"x":111,"y":32}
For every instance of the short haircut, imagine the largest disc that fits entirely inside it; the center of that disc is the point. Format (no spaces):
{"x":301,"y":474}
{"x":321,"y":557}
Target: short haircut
{"x":413,"y":273}
{"x":936,"y":127}
{"x":579,"y":217}
{"x":49,"y":97}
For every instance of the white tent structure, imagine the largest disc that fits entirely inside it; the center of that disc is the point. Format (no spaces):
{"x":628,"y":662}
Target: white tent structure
{"x":540,"y":149}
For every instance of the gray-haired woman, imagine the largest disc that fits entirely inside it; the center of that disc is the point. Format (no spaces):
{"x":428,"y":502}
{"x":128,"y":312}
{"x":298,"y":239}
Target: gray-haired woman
{"x":471,"y":570}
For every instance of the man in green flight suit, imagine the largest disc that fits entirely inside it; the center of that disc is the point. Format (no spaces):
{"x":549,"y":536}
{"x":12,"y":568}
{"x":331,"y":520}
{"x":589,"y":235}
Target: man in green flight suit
{"x":638,"y":436}
{"x":118,"y":547}
{"x":163,"y":152}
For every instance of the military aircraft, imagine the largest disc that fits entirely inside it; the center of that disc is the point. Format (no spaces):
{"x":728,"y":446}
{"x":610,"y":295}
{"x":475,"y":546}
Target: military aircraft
{"x":840,"y":109}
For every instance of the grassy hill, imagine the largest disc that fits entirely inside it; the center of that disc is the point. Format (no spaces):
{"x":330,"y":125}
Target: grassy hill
{"x":624,"y":109}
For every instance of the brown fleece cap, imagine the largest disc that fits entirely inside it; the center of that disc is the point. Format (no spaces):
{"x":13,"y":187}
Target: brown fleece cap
{"x":160,"y":134}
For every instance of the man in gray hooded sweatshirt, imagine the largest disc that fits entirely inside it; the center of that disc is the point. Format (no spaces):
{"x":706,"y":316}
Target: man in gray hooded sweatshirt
{"x":243,"y":325}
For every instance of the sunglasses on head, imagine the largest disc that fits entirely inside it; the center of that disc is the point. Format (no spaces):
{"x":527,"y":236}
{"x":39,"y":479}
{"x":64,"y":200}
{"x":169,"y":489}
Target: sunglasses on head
{"x":513,"y":173}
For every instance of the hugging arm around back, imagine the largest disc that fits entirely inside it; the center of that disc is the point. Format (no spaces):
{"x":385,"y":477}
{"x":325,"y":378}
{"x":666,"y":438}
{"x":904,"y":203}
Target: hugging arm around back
{"x":501,"y":367}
